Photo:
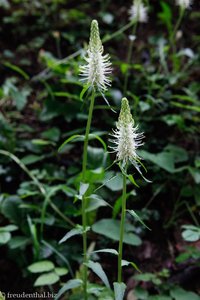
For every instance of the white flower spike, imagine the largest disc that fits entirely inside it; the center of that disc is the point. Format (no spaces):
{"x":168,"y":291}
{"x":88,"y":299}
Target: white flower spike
{"x":184,"y":4}
{"x":95,"y":73}
{"x":126,"y":138}
{"x":138,"y":12}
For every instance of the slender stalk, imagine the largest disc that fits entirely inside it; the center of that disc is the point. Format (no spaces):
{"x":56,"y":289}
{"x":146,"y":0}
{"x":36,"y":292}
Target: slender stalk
{"x":122,"y":230}
{"x":84,"y":217}
{"x":130,"y":50}
{"x":118,"y":32}
{"x":172,"y":38}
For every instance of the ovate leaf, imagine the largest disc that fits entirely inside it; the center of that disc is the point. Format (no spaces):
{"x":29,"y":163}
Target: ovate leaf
{"x":4,"y":237}
{"x":47,"y":279}
{"x":164,"y":160}
{"x":61,"y":271}
{"x":110,"y":229}
{"x":191,"y":235}
{"x":41,"y":266}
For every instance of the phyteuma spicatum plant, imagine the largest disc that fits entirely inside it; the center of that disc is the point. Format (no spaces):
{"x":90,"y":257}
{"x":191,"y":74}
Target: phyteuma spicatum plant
{"x":126,"y":140}
{"x":95,"y":74}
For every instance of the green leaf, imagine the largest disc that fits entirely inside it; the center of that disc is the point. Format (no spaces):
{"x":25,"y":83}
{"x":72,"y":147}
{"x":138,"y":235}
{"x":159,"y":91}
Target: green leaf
{"x":195,"y":174}
{"x":41,"y":266}
{"x":190,"y":235}
{"x":83,"y":188}
{"x":47,"y":279}
{"x":10,"y":209}
{"x":20,"y":97}
{"x":92,"y":176}
{"x":180,"y":154}
{"x":133,"y":214}
{"x":181,"y":294}
{"x":41,"y":142}
{"x":8,"y":228}
{"x":52,"y":134}
{"x":187,"y":107}
{"x":166,"y":15}
{"x":112,"y":251}
{"x":71,"y":138}
{"x":84,"y":90}
{"x":126,"y":263}
{"x":97,"y":157}
{"x":61,"y":271}
{"x":73,"y":232}
{"x":17,"y":69}
{"x":4,"y":237}
{"x":145,"y":277}
{"x":101,"y":227}
{"x":97,"y":269}
{"x":119,"y":290}
{"x":19,"y":242}
{"x":71,"y":284}
{"x":31,"y":159}
{"x":164,"y":160}
{"x":115,"y":183}
{"x":132,"y":180}
{"x":94,"y":202}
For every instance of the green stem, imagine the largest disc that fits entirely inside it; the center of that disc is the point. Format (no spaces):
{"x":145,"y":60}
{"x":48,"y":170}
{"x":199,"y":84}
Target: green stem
{"x":118,"y":32}
{"x":172,"y":37}
{"x":122,"y":230}
{"x":130,"y":50}
{"x":84,"y":217}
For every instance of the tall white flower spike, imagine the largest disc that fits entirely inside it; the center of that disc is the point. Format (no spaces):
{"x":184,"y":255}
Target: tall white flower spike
{"x":98,"y":68}
{"x":184,"y":4}
{"x":126,"y":138}
{"x":138,"y":12}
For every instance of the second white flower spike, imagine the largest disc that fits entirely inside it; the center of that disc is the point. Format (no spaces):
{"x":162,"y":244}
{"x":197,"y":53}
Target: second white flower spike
{"x":126,"y":138}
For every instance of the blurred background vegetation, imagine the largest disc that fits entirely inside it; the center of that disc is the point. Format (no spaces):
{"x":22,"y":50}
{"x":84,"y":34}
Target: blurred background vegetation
{"x":41,"y":48}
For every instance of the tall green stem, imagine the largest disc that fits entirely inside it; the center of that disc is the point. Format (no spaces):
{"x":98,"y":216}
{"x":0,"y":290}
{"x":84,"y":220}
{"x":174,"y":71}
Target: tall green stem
{"x":130,"y":50}
{"x":84,"y":217}
{"x":122,"y":230}
{"x":118,"y":32}
{"x":172,"y":37}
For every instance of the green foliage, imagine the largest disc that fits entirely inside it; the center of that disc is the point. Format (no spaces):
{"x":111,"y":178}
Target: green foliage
{"x":191,"y":233}
{"x":51,"y":273}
